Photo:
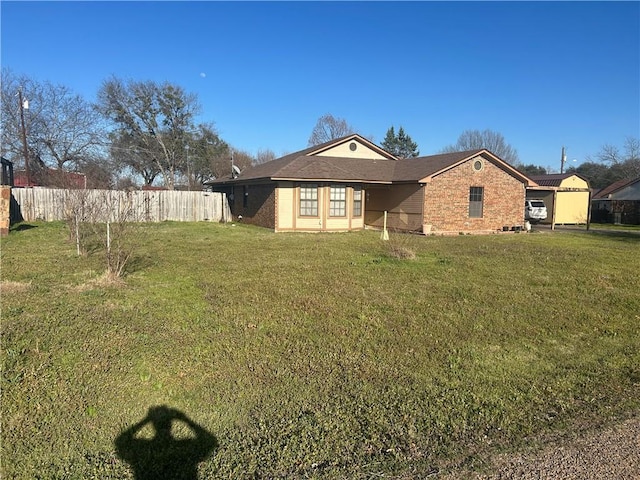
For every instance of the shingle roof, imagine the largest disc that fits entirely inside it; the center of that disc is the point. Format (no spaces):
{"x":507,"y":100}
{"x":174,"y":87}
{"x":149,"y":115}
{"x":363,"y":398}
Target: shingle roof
{"x":306,"y":165}
{"x":550,"y":180}
{"x":553,"y":179}
{"x":615,"y":186}
{"x":413,"y":169}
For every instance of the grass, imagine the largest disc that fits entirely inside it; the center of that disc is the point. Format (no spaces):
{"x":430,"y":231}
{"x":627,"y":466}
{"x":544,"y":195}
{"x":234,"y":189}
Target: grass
{"x":314,"y":356}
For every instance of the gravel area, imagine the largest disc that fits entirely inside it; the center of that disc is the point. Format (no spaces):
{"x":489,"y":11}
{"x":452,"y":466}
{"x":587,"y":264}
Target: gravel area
{"x":612,"y":454}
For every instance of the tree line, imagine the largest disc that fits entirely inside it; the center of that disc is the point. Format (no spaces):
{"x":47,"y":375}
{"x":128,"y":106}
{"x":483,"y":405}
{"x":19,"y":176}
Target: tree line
{"x":136,"y":132}
{"x":147,"y":132}
{"x":607,"y":166}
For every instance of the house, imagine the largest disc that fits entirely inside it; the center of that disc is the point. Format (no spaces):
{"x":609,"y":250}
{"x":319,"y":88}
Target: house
{"x":50,"y":177}
{"x":348,"y":184}
{"x":566,"y":196}
{"x":7,"y":172}
{"x":617,"y":203}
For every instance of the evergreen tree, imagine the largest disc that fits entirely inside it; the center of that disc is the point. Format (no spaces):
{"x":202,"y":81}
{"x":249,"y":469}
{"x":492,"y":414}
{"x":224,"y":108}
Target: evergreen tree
{"x":400,"y":145}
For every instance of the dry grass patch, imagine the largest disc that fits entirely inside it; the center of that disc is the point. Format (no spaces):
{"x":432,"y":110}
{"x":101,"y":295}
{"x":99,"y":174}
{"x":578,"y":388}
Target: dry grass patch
{"x":9,"y":287}
{"x":106,"y":280}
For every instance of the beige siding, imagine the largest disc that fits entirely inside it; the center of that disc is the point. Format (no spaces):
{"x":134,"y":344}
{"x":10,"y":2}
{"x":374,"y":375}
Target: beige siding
{"x":289,"y":219}
{"x":357,"y":223}
{"x":344,"y":150}
{"x":574,"y":182}
{"x":571,"y":207}
{"x":341,"y":224}
{"x":285,"y":211}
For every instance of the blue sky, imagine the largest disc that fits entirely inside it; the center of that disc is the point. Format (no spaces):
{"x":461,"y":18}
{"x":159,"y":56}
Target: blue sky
{"x":544,"y":74}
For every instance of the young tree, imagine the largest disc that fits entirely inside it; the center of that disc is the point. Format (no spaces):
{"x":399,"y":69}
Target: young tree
{"x":492,"y":141}
{"x":156,"y":118}
{"x":400,"y":145}
{"x":329,"y":128}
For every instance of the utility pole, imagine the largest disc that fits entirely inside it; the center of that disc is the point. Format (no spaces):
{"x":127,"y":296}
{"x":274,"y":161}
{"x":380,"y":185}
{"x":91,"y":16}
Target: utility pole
{"x":563,"y":160}
{"x":24,"y":104}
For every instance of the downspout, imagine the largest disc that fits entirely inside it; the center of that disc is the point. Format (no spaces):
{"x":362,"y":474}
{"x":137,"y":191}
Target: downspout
{"x":553,"y":210}
{"x":589,"y":212}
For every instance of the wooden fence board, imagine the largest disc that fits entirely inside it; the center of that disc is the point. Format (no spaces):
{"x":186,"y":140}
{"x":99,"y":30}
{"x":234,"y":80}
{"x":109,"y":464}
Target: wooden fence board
{"x":51,"y":204}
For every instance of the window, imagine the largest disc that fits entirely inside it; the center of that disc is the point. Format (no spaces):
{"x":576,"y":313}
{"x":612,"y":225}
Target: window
{"x":357,"y":201}
{"x":476,"y":195}
{"x":338,"y":201}
{"x":309,"y":200}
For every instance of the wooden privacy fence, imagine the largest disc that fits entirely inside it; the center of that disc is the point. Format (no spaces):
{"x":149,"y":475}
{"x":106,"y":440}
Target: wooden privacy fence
{"x":50,"y":204}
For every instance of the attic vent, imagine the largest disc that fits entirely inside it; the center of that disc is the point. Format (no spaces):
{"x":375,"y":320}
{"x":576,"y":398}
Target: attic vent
{"x":478,"y":165}
{"x":353,"y":146}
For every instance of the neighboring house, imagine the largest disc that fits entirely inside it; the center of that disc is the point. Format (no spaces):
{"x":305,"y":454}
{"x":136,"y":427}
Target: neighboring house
{"x":50,"y":177}
{"x":7,"y":172}
{"x":566,"y":196}
{"x":617,"y":203}
{"x":348,"y":184}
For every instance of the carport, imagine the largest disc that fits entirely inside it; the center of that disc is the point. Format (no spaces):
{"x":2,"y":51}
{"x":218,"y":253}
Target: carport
{"x":566,"y":195}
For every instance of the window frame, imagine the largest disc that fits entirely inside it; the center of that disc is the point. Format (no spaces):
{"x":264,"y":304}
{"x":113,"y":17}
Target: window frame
{"x":338,"y":206}
{"x":357,"y":203}
{"x":476,"y":202}
{"x":308,"y":200}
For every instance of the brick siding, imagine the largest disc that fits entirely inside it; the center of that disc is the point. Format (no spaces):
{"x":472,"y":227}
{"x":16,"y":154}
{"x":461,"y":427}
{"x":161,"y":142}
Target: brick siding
{"x":261,"y":205}
{"x":5,"y":205}
{"x":446,"y":201}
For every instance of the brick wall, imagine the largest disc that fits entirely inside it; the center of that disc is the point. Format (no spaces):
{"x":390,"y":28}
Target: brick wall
{"x":5,"y":205}
{"x":261,"y":205}
{"x":446,"y":205}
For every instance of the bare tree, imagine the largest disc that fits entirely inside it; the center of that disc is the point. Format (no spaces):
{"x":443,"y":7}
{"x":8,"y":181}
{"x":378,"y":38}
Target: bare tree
{"x":156,"y":118}
{"x":264,"y":156}
{"x":492,"y":141}
{"x":626,"y":161}
{"x":209,"y":155}
{"x":329,"y":128}
{"x":63,"y":130}
{"x":127,"y":152}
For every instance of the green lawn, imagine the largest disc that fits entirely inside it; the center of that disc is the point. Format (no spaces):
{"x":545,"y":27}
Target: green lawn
{"x":317,"y":355}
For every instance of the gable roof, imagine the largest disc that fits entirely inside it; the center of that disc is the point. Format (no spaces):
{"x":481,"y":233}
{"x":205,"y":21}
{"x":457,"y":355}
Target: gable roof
{"x":553,"y":179}
{"x":614,"y":187}
{"x":423,"y":169}
{"x":312,"y":164}
{"x":418,"y":168}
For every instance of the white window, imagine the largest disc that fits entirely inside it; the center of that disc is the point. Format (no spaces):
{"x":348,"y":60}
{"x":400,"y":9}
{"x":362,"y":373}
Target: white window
{"x":357,"y":201}
{"x":338,"y":201}
{"x":476,"y":195}
{"x":309,"y":200}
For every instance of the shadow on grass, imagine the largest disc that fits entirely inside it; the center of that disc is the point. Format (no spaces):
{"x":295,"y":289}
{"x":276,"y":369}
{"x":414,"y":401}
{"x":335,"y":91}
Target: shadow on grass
{"x":164,"y":456}
{"x":21,"y":226}
{"x":625,"y":235}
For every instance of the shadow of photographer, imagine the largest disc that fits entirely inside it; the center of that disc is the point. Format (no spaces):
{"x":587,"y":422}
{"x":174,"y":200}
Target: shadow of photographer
{"x":165,"y":456}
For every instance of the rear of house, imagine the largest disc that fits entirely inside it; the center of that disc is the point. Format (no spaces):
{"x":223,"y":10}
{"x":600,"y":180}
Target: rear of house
{"x":618,"y":203}
{"x":349,"y":184}
{"x":477,"y":195}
